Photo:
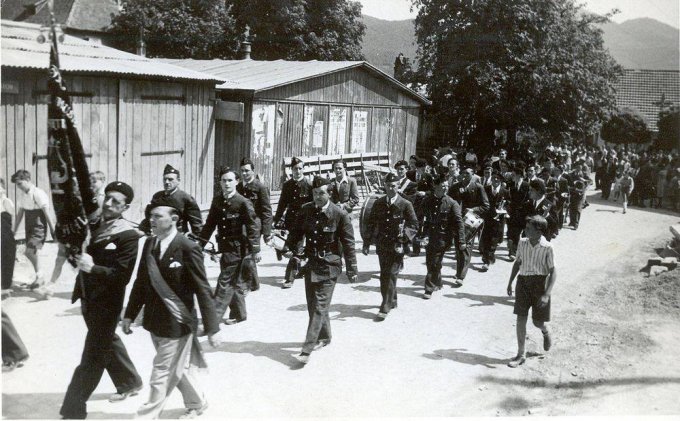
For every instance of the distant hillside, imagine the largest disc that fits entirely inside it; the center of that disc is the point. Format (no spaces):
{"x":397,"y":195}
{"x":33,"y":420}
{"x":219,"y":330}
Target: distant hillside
{"x":636,"y":44}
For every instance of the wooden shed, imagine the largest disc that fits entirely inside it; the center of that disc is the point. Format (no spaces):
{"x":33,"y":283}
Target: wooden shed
{"x":269,"y":110}
{"x":134,"y":115}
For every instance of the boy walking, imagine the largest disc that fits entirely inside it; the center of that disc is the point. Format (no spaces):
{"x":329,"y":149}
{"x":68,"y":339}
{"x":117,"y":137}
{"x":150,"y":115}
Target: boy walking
{"x":536,"y":270}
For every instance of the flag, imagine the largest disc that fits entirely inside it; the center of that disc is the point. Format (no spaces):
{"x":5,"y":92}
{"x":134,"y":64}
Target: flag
{"x":72,"y":194}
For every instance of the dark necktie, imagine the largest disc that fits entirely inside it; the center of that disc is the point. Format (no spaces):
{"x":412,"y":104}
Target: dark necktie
{"x":157,"y":249}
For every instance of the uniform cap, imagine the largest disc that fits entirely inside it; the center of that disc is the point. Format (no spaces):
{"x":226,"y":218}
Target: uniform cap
{"x":123,"y":188}
{"x":295,"y":161}
{"x":169,"y":169}
{"x":391,"y":177}
{"x":320,"y":181}
{"x":399,"y":163}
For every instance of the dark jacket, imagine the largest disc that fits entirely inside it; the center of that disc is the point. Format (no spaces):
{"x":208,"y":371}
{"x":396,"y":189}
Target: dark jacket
{"x":231,"y":217}
{"x":258,"y":194}
{"x":190,"y":213}
{"x":408,"y":188}
{"x":328,"y":234}
{"x":294,"y":194}
{"x":547,"y":210}
{"x":443,"y":222}
{"x":182,"y":269}
{"x":385,"y":220}
{"x":518,"y":196}
{"x":470,"y":196}
{"x":495,"y":200}
{"x":114,"y":257}
{"x":345,"y":194}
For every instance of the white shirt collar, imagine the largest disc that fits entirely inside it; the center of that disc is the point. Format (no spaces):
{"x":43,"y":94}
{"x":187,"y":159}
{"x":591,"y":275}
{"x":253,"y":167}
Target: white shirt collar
{"x":392,"y":200}
{"x":230,"y":195}
{"x":343,"y":179}
{"x":324,"y":207}
{"x":165,"y":242}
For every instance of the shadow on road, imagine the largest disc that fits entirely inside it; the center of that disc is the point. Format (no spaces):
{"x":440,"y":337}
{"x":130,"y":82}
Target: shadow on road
{"x":483,"y":300}
{"x":463,"y":357}
{"x":416,"y":292}
{"x":345,"y":311}
{"x":581,"y":384}
{"x":46,"y":406}
{"x":281,"y":352}
{"x":597,"y":199}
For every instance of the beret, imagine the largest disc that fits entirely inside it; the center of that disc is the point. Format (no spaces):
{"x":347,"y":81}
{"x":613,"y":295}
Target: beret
{"x":391,"y":177}
{"x":320,"y":181}
{"x":123,"y":188}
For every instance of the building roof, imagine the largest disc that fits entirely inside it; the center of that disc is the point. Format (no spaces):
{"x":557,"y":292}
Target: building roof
{"x":643,"y":91}
{"x":82,"y":15}
{"x":20,"y":49}
{"x":256,"y":75}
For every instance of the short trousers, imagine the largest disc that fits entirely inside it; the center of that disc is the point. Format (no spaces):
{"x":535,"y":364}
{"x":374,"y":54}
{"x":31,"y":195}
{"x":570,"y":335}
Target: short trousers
{"x":35,"y":222}
{"x":528,"y":292}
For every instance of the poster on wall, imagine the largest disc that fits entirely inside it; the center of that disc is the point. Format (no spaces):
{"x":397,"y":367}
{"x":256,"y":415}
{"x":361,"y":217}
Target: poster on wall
{"x":263,"y":130}
{"x":307,"y":127}
{"x":359,"y":131}
{"x":336,"y":131}
{"x":317,"y":138}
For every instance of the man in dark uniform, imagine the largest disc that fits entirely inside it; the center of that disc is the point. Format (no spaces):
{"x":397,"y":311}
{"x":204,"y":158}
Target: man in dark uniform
{"x":443,"y":226}
{"x":494,"y":221}
{"x":390,"y":217}
{"x":230,"y":213}
{"x":295,"y":192}
{"x":519,"y":193}
{"x":470,"y":194}
{"x":254,"y":190}
{"x":171,"y":195}
{"x":423,"y":181}
{"x":561,"y":194}
{"x":105,"y":270}
{"x":327,"y":229}
{"x":343,"y":189}
{"x":539,"y":204}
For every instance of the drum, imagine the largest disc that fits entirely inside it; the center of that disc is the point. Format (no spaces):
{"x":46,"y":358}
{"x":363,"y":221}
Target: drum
{"x":472,"y":224}
{"x":278,"y":241}
{"x":365,"y":213}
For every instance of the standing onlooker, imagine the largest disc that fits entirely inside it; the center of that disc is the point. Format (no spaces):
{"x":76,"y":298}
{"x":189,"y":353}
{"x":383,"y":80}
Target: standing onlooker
{"x":661,"y":181}
{"x":9,"y":245}
{"x":34,"y":204}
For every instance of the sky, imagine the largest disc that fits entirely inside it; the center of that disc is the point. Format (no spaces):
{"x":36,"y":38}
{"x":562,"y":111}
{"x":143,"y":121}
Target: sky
{"x":665,"y":11}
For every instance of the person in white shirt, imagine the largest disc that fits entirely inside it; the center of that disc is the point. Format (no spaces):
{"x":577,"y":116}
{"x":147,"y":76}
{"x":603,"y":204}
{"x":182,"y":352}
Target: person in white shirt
{"x":34,"y":204}
{"x":536,"y":269}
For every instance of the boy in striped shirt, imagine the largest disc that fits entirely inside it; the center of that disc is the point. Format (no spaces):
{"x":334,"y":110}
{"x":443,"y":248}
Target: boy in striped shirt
{"x":534,"y":285}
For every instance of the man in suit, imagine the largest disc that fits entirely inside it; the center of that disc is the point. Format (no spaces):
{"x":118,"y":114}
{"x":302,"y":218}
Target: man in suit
{"x":443,"y":227}
{"x":494,"y":221}
{"x":230,"y":213}
{"x":343,"y":189}
{"x":254,"y":190}
{"x":329,"y":233}
{"x":171,"y":195}
{"x":519,"y":194}
{"x":423,"y":181}
{"x":470,"y":194}
{"x":171,"y":273}
{"x":406,"y":187}
{"x":561,"y":194}
{"x":539,"y":204}
{"x":295,"y":192}
{"x":390,"y":217}
{"x":105,"y":270}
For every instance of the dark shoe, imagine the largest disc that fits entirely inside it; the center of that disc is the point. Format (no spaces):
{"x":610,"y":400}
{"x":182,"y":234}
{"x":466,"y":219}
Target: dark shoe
{"x":381,"y":315}
{"x":118,"y":397}
{"x":484,"y":268}
{"x":193,"y":412}
{"x":427,"y":295}
{"x":457,"y":283}
{"x":517,"y":361}
{"x":511,"y":257}
{"x":322,"y":343}
{"x":279,"y":255}
{"x":547,"y":341}
{"x":287,"y":284}
{"x":234,"y":321}
{"x":302,"y":357}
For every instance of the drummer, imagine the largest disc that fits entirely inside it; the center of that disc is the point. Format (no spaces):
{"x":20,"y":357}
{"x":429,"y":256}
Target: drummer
{"x":295,"y":192}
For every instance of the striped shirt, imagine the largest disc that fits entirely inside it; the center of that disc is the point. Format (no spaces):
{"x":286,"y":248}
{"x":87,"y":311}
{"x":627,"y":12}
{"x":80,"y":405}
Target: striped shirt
{"x":535,"y":260}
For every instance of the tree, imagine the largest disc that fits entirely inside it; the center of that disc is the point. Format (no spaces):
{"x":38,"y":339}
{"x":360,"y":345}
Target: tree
{"x":669,"y":129}
{"x":625,"y":126}
{"x":498,"y":64}
{"x":200,"y":29}
{"x":301,"y":29}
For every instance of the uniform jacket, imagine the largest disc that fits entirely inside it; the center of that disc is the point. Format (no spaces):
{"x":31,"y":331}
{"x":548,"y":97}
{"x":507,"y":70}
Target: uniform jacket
{"x":327,"y":233}
{"x":470,"y":196}
{"x":562,"y":189}
{"x":443,"y":222}
{"x":408,"y":188}
{"x":545,"y":209}
{"x":113,"y":248}
{"x":294,"y":194}
{"x":190,"y":213}
{"x":495,"y":200}
{"x":385,"y":220}
{"x":345,"y":194}
{"x":518,"y":196}
{"x":182,"y":269}
{"x":230,"y":217}
{"x":258,"y":194}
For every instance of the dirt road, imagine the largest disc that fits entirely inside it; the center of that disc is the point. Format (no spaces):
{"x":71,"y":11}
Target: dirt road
{"x":442,"y":357}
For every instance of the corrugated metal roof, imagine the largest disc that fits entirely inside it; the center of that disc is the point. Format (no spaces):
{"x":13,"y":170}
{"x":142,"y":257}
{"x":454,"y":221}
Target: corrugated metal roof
{"x":642,"y":90}
{"x":256,"y":75}
{"x":82,"y":15}
{"x":20,"y":49}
